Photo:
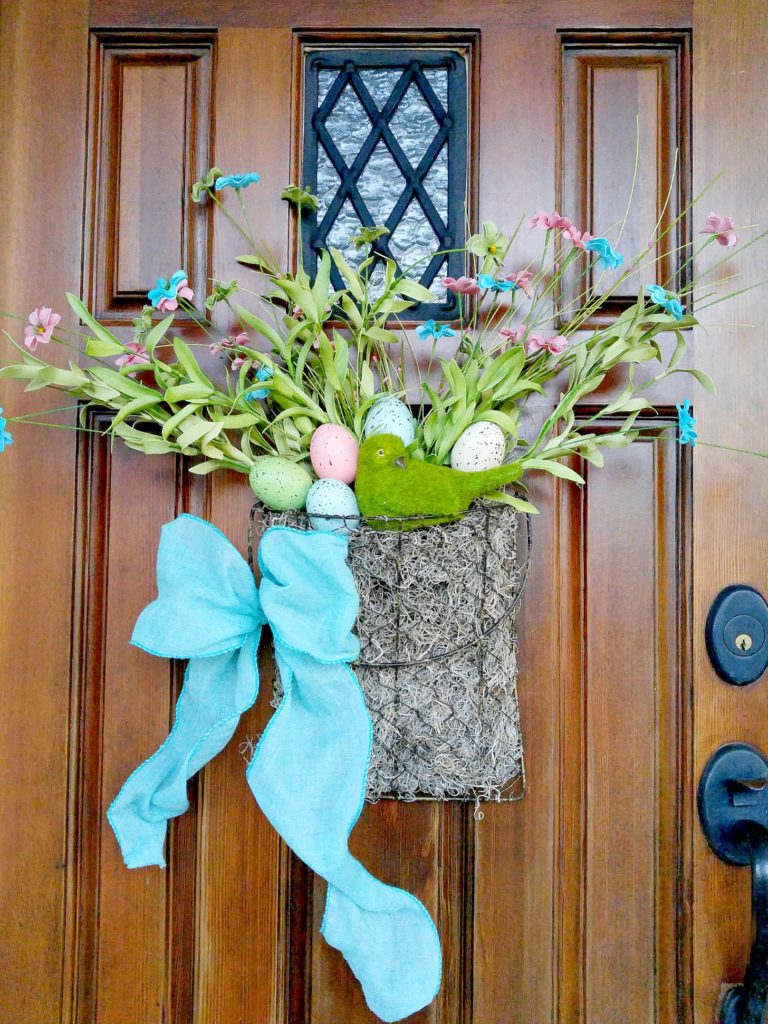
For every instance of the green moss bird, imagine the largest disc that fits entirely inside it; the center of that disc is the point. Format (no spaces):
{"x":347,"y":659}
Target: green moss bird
{"x":391,"y":483}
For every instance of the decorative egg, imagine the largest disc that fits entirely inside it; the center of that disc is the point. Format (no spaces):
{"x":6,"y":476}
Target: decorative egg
{"x":279,"y":483}
{"x":481,"y":446}
{"x":390,"y":416}
{"x":332,"y":507}
{"x":333,"y":452}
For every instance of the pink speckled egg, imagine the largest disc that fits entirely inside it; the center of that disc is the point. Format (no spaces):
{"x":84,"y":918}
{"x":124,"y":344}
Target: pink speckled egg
{"x":333,"y":451}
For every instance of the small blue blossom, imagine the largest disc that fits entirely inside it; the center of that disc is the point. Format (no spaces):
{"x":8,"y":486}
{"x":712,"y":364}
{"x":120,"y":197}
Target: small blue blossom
{"x":263,"y":373}
{"x":609,"y":258}
{"x":686,"y":424}
{"x":429,"y":329}
{"x":489,"y":283}
{"x":5,"y":437}
{"x":667,"y":300}
{"x":237,"y":181}
{"x":165,"y":295}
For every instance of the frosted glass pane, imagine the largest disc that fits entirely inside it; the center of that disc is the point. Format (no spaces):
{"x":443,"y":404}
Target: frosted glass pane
{"x":412,"y":239}
{"x":414,"y":125}
{"x":437,"y":287}
{"x":380,"y":82}
{"x":346,"y":225}
{"x":348,"y":124}
{"x":328,"y":182}
{"x":376,"y":286}
{"x":325,"y":80}
{"x":381,"y":184}
{"x":376,"y":190}
{"x":436,"y":183}
{"x":438,"y":79}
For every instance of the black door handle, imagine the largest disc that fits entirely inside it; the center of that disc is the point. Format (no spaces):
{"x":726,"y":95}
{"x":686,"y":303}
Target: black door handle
{"x":733,"y":810}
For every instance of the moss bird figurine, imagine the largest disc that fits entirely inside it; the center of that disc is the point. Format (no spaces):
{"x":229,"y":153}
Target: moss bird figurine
{"x":391,"y":483}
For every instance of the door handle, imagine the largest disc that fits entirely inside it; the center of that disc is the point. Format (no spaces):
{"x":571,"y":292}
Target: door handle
{"x":733,"y":811}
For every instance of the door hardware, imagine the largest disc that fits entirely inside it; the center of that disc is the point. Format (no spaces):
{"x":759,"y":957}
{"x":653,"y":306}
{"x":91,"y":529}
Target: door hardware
{"x":733,"y":811}
{"x":737,"y":634}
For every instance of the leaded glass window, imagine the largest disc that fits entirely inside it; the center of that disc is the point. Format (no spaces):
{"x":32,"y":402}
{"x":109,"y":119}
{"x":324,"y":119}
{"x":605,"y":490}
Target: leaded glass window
{"x":385,"y":143}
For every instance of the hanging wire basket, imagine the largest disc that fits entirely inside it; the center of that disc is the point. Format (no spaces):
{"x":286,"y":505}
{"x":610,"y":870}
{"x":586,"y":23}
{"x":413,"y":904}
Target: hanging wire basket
{"x":438,"y":651}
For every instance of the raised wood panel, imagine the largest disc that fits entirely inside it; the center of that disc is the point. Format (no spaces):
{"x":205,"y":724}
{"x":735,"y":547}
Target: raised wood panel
{"x":241,"y":880}
{"x":208,"y":926}
{"x":150,"y":138}
{"x":122,"y":713}
{"x":610,"y":858}
{"x":624,"y":152}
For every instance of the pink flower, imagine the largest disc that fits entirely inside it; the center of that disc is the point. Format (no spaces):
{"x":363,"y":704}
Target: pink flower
{"x":231,"y":342}
{"x":579,"y":238}
{"x":546,"y":221}
{"x":40,"y":327}
{"x":537,"y":342}
{"x":237,"y":362}
{"x":462,"y":285}
{"x":183,"y":291}
{"x":512,"y":333}
{"x":137,"y":355}
{"x":297,"y":313}
{"x":523,"y":280}
{"x":722,"y":229}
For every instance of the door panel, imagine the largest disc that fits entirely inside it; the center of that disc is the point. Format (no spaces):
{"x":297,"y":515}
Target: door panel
{"x":573,"y":905}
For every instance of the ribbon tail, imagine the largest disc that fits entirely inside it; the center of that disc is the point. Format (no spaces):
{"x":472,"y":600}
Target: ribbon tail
{"x":308,"y":775}
{"x":216,"y":692}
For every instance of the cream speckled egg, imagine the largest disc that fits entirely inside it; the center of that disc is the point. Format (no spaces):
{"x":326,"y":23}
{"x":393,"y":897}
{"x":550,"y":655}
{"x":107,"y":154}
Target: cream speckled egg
{"x":279,"y":483}
{"x":389,"y":415}
{"x":332,"y":498}
{"x":333,"y":452}
{"x":481,"y":446}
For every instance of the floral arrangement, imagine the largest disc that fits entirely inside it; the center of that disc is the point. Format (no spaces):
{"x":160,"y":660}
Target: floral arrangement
{"x":315,"y":373}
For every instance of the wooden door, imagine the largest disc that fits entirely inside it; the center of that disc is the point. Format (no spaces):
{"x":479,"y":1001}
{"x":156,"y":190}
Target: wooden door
{"x":595,"y":899}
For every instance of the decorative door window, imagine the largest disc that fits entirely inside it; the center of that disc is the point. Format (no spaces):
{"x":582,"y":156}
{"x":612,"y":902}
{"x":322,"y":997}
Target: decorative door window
{"x":385,"y":144}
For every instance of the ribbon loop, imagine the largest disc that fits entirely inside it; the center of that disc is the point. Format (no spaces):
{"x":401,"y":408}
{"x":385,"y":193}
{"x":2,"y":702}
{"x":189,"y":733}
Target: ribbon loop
{"x":207,"y":599}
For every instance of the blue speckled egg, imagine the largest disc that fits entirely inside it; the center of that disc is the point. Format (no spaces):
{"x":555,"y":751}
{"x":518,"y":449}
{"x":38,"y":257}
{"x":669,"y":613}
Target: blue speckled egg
{"x":334,"y":499}
{"x":389,"y":415}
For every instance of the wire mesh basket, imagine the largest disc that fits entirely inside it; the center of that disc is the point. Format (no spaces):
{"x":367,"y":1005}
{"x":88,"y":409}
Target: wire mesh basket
{"x":438,"y":651}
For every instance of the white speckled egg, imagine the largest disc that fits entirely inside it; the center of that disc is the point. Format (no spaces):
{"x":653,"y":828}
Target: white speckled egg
{"x":389,"y":415}
{"x":333,"y":499}
{"x":279,"y":483}
{"x":333,"y":452}
{"x":481,"y":446}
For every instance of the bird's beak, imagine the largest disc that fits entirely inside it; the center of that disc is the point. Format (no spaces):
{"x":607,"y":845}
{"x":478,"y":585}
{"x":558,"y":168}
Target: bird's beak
{"x":400,"y":462}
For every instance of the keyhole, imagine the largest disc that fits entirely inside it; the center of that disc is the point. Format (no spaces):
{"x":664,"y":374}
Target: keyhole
{"x":744,"y":641}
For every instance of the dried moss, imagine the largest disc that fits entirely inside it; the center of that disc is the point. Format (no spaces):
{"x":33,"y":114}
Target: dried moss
{"x":438,"y":661}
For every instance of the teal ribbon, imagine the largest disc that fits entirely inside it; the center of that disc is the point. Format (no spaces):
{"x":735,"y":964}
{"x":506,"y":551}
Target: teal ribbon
{"x":309,"y":770}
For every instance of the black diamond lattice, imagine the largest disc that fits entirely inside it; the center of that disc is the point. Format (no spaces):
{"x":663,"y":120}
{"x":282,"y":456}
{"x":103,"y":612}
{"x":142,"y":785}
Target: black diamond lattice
{"x":385,"y":142}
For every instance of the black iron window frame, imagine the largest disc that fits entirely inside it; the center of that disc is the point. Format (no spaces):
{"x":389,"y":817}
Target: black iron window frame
{"x":452,"y":129}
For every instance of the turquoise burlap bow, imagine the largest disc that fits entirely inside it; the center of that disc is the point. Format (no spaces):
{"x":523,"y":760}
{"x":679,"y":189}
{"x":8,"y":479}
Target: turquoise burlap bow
{"x":309,"y":770}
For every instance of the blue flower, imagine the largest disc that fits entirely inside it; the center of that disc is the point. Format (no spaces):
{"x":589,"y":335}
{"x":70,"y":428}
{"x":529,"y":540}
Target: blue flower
{"x":165,"y":296}
{"x":686,"y":424}
{"x":5,"y":437}
{"x":429,"y":329}
{"x":263,"y":373}
{"x":667,"y":300}
{"x":609,"y":258}
{"x":236,"y":181}
{"x":486,"y":281}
